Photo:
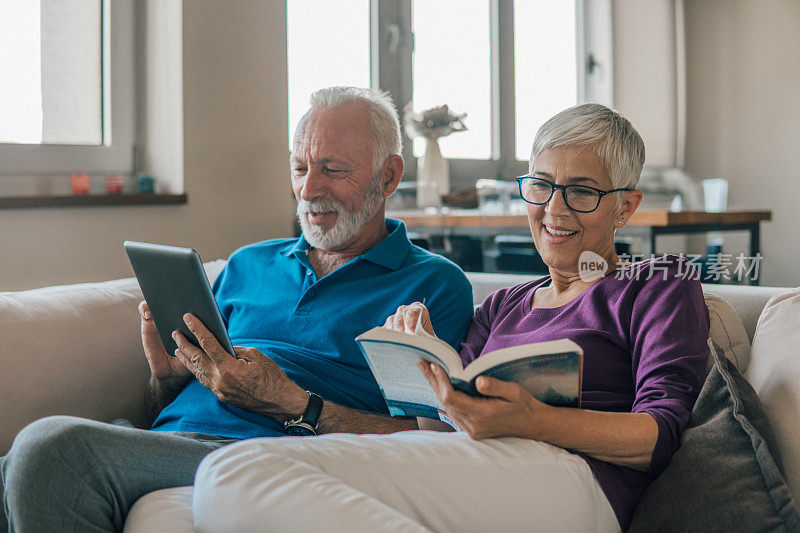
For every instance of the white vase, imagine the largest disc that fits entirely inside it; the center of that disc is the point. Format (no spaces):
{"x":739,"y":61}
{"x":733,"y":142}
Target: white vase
{"x":434,"y":168}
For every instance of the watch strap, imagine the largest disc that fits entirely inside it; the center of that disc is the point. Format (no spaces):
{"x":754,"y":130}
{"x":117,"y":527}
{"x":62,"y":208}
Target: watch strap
{"x":306,"y":424}
{"x":313,"y":410}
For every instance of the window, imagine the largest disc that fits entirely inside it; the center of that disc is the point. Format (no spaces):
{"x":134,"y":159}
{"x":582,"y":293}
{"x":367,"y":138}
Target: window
{"x":508,"y":64}
{"x":330,"y":48}
{"x":67,"y":88}
{"x":545,"y":67}
{"x":452,"y":65}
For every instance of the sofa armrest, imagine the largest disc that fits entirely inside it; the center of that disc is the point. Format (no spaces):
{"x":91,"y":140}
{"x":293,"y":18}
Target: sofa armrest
{"x":73,"y":350}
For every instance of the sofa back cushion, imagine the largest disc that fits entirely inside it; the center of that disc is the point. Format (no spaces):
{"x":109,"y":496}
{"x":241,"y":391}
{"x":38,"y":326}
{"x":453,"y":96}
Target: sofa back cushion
{"x":774,"y":373}
{"x":748,"y":301}
{"x":73,"y":350}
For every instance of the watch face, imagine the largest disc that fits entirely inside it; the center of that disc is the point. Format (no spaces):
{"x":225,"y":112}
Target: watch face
{"x":300,"y":431}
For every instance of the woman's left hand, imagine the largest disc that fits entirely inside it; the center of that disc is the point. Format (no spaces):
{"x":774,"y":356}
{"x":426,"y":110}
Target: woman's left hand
{"x":509,"y":410}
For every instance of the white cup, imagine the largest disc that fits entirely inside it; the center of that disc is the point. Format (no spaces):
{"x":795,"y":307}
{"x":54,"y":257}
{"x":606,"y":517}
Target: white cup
{"x":715,"y":195}
{"x":428,"y":195}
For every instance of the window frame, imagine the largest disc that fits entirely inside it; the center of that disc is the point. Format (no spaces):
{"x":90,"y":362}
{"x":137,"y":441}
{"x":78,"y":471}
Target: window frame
{"x":119,"y":112}
{"x":392,"y":45}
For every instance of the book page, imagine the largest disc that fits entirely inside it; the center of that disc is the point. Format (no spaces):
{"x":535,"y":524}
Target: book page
{"x":425,"y":343}
{"x":405,"y":389}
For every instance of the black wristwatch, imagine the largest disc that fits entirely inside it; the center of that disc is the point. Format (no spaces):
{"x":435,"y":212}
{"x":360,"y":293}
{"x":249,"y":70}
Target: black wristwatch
{"x":306,"y":424}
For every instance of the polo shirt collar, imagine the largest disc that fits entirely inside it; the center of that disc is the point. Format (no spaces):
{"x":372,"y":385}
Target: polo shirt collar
{"x":389,"y":253}
{"x":393,"y":249}
{"x":299,"y":248}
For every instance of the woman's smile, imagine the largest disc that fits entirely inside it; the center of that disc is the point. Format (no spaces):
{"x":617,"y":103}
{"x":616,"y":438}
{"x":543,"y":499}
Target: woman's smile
{"x":558,"y":234}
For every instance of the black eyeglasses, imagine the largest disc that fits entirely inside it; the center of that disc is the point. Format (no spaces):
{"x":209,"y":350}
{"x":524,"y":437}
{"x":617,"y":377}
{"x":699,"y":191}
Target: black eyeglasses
{"x":580,"y":198}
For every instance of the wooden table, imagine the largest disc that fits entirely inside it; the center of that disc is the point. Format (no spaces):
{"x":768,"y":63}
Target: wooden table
{"x":647,"y":224}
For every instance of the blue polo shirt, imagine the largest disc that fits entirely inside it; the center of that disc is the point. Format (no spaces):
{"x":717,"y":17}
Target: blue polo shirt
{"x":273,"y":301}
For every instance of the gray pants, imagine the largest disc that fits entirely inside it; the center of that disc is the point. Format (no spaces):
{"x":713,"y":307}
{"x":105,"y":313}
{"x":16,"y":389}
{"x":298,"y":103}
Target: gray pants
{"x":70,"y":474}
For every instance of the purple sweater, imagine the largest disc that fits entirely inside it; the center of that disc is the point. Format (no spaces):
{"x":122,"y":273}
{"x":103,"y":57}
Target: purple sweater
{"x":643,"y":330}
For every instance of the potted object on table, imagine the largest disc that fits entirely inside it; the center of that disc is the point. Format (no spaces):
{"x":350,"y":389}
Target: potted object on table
{"x":433,"y":175}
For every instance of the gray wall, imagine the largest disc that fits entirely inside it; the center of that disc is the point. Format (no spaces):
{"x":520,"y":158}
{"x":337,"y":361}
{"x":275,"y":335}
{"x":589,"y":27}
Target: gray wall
{"x":743,"y":116}
{"x":235,"y":161}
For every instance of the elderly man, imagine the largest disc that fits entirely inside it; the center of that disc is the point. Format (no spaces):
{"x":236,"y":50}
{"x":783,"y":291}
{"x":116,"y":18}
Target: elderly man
{"x":296,"y":304}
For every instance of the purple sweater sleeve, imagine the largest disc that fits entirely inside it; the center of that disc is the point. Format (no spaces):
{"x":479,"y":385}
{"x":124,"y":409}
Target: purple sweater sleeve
{"x":668,"y":331}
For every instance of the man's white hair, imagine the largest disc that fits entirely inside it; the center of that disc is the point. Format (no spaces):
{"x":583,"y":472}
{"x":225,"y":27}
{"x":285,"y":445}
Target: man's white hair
{"x":610,"y":135}
{"x":382,"y":115}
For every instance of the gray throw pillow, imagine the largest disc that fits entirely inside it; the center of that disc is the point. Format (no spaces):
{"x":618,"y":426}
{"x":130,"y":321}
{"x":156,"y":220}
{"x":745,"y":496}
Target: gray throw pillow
{"x":726,"y":475}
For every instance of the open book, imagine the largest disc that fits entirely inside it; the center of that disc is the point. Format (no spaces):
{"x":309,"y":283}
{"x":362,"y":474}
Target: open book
{"x":550,"y":370}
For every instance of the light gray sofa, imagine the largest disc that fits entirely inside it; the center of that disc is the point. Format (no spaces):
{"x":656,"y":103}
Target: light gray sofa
{"x":76,"y":350}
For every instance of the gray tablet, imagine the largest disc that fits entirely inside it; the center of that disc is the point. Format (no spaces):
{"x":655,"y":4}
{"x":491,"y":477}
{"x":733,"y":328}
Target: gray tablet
{"x":173,"y":283}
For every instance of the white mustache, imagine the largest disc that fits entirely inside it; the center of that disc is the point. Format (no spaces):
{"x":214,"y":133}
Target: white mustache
{"x":319,"y":206}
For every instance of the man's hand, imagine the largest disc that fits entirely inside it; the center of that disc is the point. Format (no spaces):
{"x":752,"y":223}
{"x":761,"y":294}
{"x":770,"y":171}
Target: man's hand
{"x":253,"y":381}
{"x":162,"y":365}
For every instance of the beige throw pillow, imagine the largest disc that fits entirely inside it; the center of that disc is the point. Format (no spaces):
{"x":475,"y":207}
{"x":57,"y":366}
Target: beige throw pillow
{"x":727,"y":332}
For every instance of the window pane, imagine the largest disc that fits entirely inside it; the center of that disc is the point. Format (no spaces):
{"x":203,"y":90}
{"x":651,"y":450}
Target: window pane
{"x":452,"y":66}
{"x":327,"y":44}
{"x":544,"y":65}
{"x":20,"y":72}
{"x":50,"y":72}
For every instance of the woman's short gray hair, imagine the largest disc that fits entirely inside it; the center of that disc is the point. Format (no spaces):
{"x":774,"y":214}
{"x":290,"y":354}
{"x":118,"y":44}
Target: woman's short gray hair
{"x":382,"y":115}
{"x":612,"y":137}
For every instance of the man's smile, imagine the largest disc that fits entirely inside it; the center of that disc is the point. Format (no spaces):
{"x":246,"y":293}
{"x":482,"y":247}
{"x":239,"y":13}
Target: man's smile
{"x":321,"y":217}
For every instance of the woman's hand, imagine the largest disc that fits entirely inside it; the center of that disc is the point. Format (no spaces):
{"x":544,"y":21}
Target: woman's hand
{"x":407,"y":317}
{"x":509,"y":410}
{"x":625,"y":439}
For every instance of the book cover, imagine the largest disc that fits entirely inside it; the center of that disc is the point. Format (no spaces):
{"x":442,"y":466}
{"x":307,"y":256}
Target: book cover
{"x":554,"y":379}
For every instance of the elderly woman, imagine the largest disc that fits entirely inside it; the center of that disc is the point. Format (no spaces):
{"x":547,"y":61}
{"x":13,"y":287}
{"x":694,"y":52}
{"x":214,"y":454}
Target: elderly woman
{"x":643,"y":329}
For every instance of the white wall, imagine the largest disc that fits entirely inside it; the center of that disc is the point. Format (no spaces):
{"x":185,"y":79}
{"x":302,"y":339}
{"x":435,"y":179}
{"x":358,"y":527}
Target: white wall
{"x":645,"y":74}
{"x":743,"y":116}
{"x":235,"y":161}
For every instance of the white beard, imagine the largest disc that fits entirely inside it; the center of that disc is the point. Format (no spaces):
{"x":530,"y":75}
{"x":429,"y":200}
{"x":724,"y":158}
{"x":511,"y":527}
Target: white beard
{"x":347,"y":224}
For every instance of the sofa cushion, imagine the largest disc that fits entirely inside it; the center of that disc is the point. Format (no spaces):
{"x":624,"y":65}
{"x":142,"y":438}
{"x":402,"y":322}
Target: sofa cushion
{"x":165,"y":510}
{"x":775,"y":375}
{"x":727,"y":332}
{"x":726,"y":474}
